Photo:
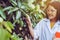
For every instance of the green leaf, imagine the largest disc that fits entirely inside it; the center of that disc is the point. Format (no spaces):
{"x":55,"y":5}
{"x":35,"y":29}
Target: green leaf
{"x":41,"y":16}
{"x":42,"y":3}
{"x":2,"y":13}
{"x":37,"y":7}
{"x":8,"y":26}
{"x":15,"y":37}
{"x":21,"y":23}
{"x":13,"y":10}
{"x":18,"y":14}
{"x":13,"y":3}
{"x":13,"y":17}
{"x":26,"y":7}
{"x":32,"y":6}
{"x":5,"y":34}
{"x":7,"y":8}
{"x":1,"y":20}
{"x":31,"y":1}
{"x":19,"y":3}
{"x":22,"y":7}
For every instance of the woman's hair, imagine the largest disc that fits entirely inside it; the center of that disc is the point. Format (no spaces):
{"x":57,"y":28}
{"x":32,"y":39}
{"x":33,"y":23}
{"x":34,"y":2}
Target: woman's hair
{"x":56,"y":5}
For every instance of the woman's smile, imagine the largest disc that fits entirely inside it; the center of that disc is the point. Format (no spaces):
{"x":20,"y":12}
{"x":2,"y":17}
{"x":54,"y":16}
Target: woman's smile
{"x":51,"y":12}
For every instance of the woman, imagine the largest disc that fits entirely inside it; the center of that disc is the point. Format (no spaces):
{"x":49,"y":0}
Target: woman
{"x":47,"y":27}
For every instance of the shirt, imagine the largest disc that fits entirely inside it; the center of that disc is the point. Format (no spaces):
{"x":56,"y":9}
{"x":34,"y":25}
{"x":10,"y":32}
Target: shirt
{"x":44,"y":31}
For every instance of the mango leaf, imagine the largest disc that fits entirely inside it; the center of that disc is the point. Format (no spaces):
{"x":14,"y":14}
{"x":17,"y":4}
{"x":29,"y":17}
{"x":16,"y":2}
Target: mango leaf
{"x":22,"y":7}
{"x":13,"y":17}
{"x":18,"y":14}
{"x":21,"y":23}
{"x":19,"y":3}
{"x":7,"y":8}
{"x":30,"y":1}
{"x":8,"y":26}
{"x":41,"y":16}
{"x":32,"y":6}
{"x":15,"y":37}
{"x":40,"y":11}
{"x":5,"y":34}
{"x":42,"y":3}
{"x":13,"y":3}
{"x":24,"y":13}
{"x":37,"y":7}
{"x":14,"y":22}
{"x":2,"y":13}
{"x":1,"y":20}
{"x":14,"y":9}
{"x":26,"y":7}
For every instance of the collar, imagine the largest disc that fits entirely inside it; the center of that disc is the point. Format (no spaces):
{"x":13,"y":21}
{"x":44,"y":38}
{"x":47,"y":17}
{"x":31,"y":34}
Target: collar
{"x":47,"y":20}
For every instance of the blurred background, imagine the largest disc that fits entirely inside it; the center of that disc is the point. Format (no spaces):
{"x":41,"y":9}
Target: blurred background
{"x":13,"y":25}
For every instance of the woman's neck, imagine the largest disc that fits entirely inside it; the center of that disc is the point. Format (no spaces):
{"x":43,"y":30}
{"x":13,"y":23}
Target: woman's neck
{"x":53,"y":20}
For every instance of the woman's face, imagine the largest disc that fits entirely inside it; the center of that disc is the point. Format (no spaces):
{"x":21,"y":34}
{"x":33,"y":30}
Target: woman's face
{"x":51,"y":12}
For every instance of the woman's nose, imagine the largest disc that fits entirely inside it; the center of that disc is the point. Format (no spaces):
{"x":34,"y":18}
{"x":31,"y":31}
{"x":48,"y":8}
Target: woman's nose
{"x":49,"y":12}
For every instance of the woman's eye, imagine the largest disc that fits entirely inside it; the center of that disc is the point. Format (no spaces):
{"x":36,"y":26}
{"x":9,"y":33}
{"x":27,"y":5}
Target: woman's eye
{"x":52,"y":10}
{"x":47,"y":10}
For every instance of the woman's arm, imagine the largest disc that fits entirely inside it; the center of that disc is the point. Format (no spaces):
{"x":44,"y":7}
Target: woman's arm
{"x":30,"y":26}
{"x":37,"y":30}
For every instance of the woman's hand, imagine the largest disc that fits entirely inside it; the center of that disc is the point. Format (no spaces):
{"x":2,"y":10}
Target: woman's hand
{"x":28,"y":21}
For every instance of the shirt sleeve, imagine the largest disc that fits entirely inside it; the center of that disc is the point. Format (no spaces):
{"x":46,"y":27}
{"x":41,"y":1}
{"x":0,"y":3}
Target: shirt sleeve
{"x":38,"y":30}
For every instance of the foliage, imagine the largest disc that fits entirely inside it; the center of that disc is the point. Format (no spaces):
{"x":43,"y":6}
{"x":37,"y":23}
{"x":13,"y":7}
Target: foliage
{"x":12,"y":18}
